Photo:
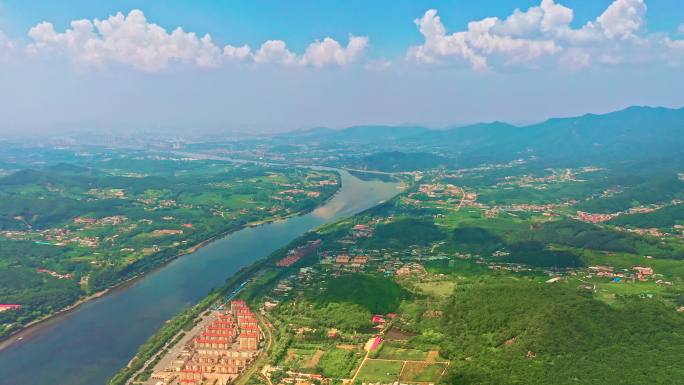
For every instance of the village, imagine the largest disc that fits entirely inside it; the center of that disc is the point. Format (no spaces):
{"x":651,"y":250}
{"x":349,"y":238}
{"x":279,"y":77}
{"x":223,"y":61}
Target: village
{"x":379,"y":355}
{"x":335,"y":261}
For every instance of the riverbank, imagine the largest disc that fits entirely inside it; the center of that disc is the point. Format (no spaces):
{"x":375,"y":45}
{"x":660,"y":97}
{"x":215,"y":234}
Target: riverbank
{"x":70,"y":347}
{"x":33,"y":326}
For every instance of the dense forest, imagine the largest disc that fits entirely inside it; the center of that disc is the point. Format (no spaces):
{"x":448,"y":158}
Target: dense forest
{"x":527,"y":333}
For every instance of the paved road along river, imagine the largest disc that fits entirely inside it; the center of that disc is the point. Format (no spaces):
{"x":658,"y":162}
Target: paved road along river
{"x":88,"y":345}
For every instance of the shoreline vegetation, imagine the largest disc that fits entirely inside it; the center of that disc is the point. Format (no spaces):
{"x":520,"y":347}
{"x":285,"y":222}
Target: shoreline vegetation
{"x":17,"y":335}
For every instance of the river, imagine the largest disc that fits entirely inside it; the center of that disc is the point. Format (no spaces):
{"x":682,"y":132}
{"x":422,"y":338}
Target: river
{"x":89,"y":344}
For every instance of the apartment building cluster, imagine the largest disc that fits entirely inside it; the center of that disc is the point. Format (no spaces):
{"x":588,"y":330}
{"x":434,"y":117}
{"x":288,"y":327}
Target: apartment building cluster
{"x":223,"y":347}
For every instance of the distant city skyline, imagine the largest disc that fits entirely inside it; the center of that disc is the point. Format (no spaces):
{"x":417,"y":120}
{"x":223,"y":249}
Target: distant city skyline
{"x":255,"y":67}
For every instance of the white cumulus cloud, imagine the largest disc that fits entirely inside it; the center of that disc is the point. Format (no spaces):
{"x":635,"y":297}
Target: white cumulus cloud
{"x":319,"y":54}
{"x":275,"y":52}
{"x":483,"y":38}
{"x":543,"y":35}
{"x":132,"y":40}
{"x":330,"y":52}
{"x":237,"y":53}
{"x":622,"y":18}
{"x":127,"y":39}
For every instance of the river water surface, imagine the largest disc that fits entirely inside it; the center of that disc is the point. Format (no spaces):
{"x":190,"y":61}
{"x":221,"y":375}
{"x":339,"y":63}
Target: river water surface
{"x":88,"y":345}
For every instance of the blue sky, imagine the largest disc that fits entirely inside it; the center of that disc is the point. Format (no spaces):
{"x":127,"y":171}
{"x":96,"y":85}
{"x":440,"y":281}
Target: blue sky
{"x":557,"y":58}
{"x":388,"y":22}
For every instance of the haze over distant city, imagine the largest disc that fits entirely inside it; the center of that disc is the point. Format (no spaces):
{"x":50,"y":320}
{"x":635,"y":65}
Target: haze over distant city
{"x":126,"y":66}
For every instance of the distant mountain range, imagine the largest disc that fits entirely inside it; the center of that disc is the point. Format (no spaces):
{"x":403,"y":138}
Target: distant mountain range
{"x":632,"y":133}
{"x":359,"y":133}
{"x":635,"y":133}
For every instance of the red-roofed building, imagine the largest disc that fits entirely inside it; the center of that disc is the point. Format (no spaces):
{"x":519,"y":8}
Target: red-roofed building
{"x":360,"y":260}
{"x":249,"y":341}
{"x":202,"y":342}
{"x":289,"y":260}
{"x":244,"y":311}
{"x":643,"y":272}
{"x":237,"y":304}
{"x":342,"y":259}
{"x":378,"y":319}
{"x":248,"y":321}
{"x":9,"y":306}
{"x":226,"y":332}
{"x":191,"y":376}
{"x":226,"y":324}
{"x":223,"y":349}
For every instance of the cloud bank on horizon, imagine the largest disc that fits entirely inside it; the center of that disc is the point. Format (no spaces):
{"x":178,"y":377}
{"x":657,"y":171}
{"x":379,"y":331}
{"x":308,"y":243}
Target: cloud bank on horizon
{"x":541,"y":36}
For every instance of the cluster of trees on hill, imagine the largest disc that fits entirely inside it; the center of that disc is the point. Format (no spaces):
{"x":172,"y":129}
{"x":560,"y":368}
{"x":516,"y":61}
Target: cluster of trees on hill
{"x":476,"y":240}
{"x":374,"y":293}
{"x":531,"y":333}
{"x":665,"y":217}
{"x":346,"y":303}
{"x":396,"y":161}
{"x":583,"y":235}
{"x":405,"y":232}
{"x":533,"y":247}
{"x":38,"y":294}
{"x":638,"y":190}
{"x":534,"y":253}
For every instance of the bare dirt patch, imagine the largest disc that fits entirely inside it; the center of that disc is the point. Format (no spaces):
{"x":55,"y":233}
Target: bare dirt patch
{"x":347,"y":347}
{"x":313,"y":362}
{"x":432,"y":356}
{"x":398,"y":335}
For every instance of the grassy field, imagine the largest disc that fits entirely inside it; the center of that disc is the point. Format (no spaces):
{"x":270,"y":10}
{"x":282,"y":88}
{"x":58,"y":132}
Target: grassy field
{"x":380,"y":371}
{"x":395,"y":353}
{"x":437,"y":288}
{"x":421,"y":372}
{"x":339,"y":363}
{"x":608,"y":292}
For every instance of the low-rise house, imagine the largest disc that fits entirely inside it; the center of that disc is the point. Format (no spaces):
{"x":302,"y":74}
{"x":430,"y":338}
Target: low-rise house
{"x":602,"y":271}
{"x":342,"y":259}
{"x":360,"y":260}
{"x":642,"y":273}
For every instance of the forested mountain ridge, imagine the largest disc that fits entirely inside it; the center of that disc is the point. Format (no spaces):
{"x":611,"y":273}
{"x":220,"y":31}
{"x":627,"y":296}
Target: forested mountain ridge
{"x":631,"y":134}
{"x":634,"y":133}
